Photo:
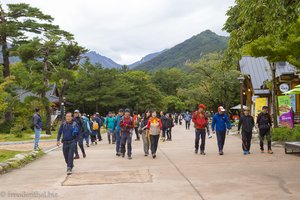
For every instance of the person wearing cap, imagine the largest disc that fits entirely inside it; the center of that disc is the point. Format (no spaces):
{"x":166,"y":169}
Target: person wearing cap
{"x":247,"y":123}
{"x":37,"y":123}
{"x":200,"y":120}
{"x":219,"y":125}
{"x":97,"y":118}
{"x":264,"y":123}
{"x":68,"y":130}
{"x":117,"y":131}
{"x":127,"y":126}
{"x":86,"y":129}
{"x":79,"y":140}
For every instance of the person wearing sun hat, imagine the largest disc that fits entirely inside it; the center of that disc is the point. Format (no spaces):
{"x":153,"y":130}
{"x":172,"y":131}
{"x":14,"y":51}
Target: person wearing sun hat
{"x":200,"y":120}
{"x":220,"y":123}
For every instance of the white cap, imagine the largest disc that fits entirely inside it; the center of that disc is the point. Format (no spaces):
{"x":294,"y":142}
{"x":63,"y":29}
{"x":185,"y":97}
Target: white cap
{"x":221,"y":109}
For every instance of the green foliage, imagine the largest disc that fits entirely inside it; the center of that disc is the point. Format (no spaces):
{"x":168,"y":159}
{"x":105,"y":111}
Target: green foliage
{"x":286,"y":134}
{"x":189,"y":51}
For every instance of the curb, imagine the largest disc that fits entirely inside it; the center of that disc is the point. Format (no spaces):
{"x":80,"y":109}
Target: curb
{"x":19,"y":161}
{"x":23,"y":142}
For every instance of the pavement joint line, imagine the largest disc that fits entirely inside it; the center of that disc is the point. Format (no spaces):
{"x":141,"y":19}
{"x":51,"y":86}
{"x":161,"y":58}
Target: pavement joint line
{"x":52,"y":149}
{"x":182,"y":174}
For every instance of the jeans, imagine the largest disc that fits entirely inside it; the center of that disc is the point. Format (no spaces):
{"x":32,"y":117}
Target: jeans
{"x":246,"y":138}
{"x":200,"y":133}
{"x":262,"y":134}
{"x":79,"y":141}
{"x":118,"y":141}
{"x":221,"y":139}
{"x":154,"y":143}
{"x":37,"y":137}
{"x":110,"y":135}
{"x":86,"y":137}
{"x":68,"y":151}
{"x":126,"y":138}
{"x":145,"y":142}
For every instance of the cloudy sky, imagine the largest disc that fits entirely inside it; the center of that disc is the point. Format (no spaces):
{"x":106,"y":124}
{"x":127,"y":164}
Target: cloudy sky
{"x":127,"y":30}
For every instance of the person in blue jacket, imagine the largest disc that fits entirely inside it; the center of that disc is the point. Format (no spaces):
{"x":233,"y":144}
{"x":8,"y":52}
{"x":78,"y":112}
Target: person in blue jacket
{"x":69,"y":131}
{"x":220,"y":123}
{"x":117,"y":131}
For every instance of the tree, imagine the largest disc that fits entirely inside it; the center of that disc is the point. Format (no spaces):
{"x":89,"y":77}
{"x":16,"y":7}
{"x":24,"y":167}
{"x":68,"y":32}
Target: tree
{"x":261,"y":25}
{"x":211,"y":84}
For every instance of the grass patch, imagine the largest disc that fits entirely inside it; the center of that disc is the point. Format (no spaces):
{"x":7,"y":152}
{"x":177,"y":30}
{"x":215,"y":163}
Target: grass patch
{"x":9,"y":137}
{"x":284,"y":134}
{"x":7,"y":154}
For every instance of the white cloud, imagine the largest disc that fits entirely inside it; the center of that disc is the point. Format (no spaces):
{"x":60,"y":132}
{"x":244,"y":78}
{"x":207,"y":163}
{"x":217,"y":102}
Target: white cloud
{"x":126,"y":30}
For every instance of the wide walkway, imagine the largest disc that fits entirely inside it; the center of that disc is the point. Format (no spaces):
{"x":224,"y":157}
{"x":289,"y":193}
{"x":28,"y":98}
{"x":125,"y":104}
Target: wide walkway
{"x":177,"y":173}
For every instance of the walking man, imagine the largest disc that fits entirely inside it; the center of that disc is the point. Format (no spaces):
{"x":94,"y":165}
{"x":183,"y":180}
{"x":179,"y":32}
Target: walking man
{"x":136,"y":121}
{"x":37,"y":123}
{"x":264,"y":123}
{"x":79,"y":139}
{"x":247,"y":124}
{"x":98,"y":119}
{"x":69,"y":131}
{"x":187,"y":119}
{"x":110,"y":123}
{"x":220,"y":123}
{"x":127,"y":126}
{"x":200,"y":121}
{"x":117,"y":131}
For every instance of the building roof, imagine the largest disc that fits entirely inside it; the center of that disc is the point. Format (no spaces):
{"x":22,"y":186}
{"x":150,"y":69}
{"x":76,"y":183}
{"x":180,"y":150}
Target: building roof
{"x":50,"y":94}
{"x":260,"y":71}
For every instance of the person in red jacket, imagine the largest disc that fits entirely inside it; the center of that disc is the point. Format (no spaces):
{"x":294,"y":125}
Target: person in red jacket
{"x":127,"y":126}
{"x":200,"y":120}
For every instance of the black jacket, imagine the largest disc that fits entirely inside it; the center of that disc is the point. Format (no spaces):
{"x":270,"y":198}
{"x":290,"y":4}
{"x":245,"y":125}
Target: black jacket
{"x":264,"y":121}
{"x":247,"y":123}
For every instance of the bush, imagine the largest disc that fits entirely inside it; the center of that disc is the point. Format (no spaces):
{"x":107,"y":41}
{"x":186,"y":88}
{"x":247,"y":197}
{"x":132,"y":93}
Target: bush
{"x":286,"y":134}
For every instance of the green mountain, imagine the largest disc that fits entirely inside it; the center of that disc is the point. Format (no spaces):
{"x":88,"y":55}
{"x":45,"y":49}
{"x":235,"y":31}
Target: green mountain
{"x":190,"y":50}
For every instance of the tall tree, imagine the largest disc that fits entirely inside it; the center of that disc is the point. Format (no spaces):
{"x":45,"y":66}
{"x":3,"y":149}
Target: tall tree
{"x":250,"y":21}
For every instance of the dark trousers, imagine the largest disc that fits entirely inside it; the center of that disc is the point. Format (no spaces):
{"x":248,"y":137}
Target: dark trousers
{"x":79,"y":142}
{"x":99,"y":135}
{"x":246,"y":139}
{"x":136,"y":130}
{"x":126,"y":138}
{"x":187,"y":125}
{"x":221,"y":139}
{"x":154,"y":143}
{"x":164,"y":131}
{"x":262,"y":134}
{"x":169,"y":133}
{"x":93,"y":138}
{"x":200,"y":133}
{"x":68,"y":151}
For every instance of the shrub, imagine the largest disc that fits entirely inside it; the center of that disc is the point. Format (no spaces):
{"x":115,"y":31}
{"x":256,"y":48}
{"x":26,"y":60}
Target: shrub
{"x":286,"y":134}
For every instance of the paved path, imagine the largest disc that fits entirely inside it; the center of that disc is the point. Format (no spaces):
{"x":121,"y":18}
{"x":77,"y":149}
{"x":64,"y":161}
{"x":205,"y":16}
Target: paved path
{"x":177,"y":173}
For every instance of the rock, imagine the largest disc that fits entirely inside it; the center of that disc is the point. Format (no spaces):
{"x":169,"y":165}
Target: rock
{"x":20,"y":156}
{"x":1,"y":170}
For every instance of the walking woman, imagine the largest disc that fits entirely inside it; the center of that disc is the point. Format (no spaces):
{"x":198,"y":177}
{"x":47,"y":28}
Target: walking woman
{"x":145,"y":135}
{"x":154,"y":126}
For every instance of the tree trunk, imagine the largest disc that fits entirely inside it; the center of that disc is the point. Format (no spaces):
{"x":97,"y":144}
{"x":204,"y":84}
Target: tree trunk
{"x":48,"y":120}
{"x":46,"y":101}
{"x":274,"y":99}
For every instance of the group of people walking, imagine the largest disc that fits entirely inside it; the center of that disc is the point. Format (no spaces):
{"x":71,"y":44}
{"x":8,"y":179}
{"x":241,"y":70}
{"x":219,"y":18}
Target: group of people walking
{"x":120,"y":127}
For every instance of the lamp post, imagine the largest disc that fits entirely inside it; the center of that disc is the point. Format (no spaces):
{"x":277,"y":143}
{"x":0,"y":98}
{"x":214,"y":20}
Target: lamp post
{"x":241,"y":78}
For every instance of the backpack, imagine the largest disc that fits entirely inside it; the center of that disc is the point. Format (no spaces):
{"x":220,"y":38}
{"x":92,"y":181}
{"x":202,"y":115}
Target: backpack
{"x":95,"y":125}
{"x":85,"y":125}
